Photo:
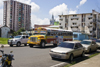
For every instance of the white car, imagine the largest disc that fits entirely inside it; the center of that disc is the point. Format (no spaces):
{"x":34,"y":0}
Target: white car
{"x":18,"y":40}
{"x":67,"y":50}
{"x":90,"y":45}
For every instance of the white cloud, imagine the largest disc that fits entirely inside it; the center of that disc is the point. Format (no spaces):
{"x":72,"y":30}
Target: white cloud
{"x":61,"y":9}
{"x":81,"y":3}
{"x":58,"y":10}
{"x":72,"y":12}
{"x":36,"y":20}
{"x":34,"y":7}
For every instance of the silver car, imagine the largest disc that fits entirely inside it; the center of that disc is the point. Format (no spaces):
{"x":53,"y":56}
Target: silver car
{"x":90,"y":45}
{"x":67,"y":50}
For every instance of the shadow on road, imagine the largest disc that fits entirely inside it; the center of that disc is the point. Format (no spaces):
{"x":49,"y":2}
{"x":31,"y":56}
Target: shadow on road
{"x":46,"y":47}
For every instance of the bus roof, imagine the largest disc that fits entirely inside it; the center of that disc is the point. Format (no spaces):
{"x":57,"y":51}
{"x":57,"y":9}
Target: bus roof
{"x":57,"y":29}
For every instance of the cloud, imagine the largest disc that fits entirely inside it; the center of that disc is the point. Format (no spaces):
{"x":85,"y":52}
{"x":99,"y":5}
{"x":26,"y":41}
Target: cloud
{"x":36,"y":20}
{"x":72,"y":12}
{"x":81,"y":3}
{"x":59,"y":9}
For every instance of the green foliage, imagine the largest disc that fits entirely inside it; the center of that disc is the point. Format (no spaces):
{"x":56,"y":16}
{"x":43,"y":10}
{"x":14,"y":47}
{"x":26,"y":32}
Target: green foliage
{"x":4,"y":40}
{"x":18,"y":32}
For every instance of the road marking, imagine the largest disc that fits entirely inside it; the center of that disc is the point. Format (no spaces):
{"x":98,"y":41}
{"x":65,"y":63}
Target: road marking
{"x":59,"y":65}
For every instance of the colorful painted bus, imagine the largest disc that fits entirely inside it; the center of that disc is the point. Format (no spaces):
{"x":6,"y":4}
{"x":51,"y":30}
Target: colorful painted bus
{"x":43,"y":36}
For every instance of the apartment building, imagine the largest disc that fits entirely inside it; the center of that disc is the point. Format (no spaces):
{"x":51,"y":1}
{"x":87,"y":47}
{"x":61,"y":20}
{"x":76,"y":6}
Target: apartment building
{"x":16,"y":15}
{"x":85,"y":22}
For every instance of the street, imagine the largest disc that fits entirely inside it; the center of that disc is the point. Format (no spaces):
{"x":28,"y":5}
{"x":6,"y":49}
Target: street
{"x":35,"y":57}
{"x":31,"y":57}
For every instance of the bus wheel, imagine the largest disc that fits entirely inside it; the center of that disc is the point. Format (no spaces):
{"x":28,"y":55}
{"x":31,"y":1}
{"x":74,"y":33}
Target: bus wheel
{"x":55,"y":45}
{"x":31,"y":45}
{"x":42,"y":44}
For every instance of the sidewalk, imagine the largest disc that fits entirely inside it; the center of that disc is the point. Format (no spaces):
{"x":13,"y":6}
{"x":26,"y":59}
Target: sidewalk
{"x":92,"y":62}
{"x":6,"y":45}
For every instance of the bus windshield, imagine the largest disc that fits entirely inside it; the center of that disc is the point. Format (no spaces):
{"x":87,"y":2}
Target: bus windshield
{"x":39,"y":33}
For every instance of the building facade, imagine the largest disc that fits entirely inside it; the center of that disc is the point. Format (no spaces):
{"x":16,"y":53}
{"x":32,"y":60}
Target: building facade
{"x":16,"y":15}
{"x":85,"y":22}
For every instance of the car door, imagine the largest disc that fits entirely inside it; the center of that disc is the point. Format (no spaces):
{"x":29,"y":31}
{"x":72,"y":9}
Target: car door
{"x":76,"y":50}
{"x":23,"y":39}
{"x":80,"y":48}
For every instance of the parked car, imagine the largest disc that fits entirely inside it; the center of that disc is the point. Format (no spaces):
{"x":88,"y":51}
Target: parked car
{"x":67,"y":50}
{"x":90,"y":45}
{"x":97,"y":41}
{"x":18,"y":40}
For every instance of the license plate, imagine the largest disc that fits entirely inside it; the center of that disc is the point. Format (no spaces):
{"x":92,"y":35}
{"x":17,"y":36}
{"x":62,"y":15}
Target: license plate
{"x":56,"y":56}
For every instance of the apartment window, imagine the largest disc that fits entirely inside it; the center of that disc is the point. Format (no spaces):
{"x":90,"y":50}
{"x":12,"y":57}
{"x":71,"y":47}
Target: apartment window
{"x":91,"y":14}
{"x":74,"y":23}
{"x":90,"y":31}
{"x":71,"y":19}
{"x":74,"y":15}
{"x":90,"y":18}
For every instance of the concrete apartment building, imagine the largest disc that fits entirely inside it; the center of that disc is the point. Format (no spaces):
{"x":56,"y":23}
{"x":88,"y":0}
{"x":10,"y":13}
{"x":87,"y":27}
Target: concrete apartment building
{"x":85,"y":22}
{"x":16,"y":15}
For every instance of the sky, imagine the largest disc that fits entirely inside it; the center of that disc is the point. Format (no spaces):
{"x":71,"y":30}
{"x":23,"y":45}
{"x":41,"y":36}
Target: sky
{"x":42,"y":10}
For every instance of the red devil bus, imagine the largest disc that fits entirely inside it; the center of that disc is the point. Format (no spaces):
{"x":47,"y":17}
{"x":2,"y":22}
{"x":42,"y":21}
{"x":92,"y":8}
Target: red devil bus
{"x":43,"y":36}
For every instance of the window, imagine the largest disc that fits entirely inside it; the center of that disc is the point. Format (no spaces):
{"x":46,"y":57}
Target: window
{"x":91,"y":14}
{"x":74,"y":15}
{"x":90,"y":18}
{"x":75,"y":35}
{"x":23,"y":37}
{"x":79,"y":45}
{"x":26,"y":36}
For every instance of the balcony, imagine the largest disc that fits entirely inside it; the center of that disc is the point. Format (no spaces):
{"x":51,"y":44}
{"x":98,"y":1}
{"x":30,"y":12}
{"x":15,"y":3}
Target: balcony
{"x":75,"y":29}
{"x":74,"y":17}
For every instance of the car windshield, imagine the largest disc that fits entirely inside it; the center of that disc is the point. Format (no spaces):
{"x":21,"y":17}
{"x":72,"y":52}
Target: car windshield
{"x":66,"y":45}
{"x":86,"y":42}
{"x":39,"y":33}
{"x":17,"y":36}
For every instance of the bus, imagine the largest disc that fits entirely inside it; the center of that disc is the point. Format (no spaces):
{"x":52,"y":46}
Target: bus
{"x":80,"y":36}
{"x":43,"y":36}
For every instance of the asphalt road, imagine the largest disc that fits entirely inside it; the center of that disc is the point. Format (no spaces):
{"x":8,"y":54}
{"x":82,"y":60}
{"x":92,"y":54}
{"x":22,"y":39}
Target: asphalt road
{"x":31,"y":57}
{"x":36,"y":57}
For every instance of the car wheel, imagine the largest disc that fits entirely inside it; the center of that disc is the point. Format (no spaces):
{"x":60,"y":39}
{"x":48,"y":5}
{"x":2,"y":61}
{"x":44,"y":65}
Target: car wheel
{"x":83,"y":54}
{"x":42,"y":44}
{"x":71,"y":57}
{"x":31,"y":45}
{"x":53,"y":58}
{"x":25,"y":44}
{"x":96,"y":49}
{"x":89,"y":50}
{"x":55,"y":45}
{"x":18,"y":44}
{"x":11,"y":45}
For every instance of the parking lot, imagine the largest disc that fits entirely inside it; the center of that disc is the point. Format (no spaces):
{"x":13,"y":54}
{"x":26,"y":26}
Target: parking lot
{"x":36,"y":57}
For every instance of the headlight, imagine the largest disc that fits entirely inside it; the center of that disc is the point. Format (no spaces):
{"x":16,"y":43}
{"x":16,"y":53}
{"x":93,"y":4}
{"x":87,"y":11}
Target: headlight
{"x":86,"y":48}
{"x":51,"y":51}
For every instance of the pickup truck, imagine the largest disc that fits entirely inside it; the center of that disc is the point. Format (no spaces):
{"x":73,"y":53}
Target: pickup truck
{"x":18,"y":40}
